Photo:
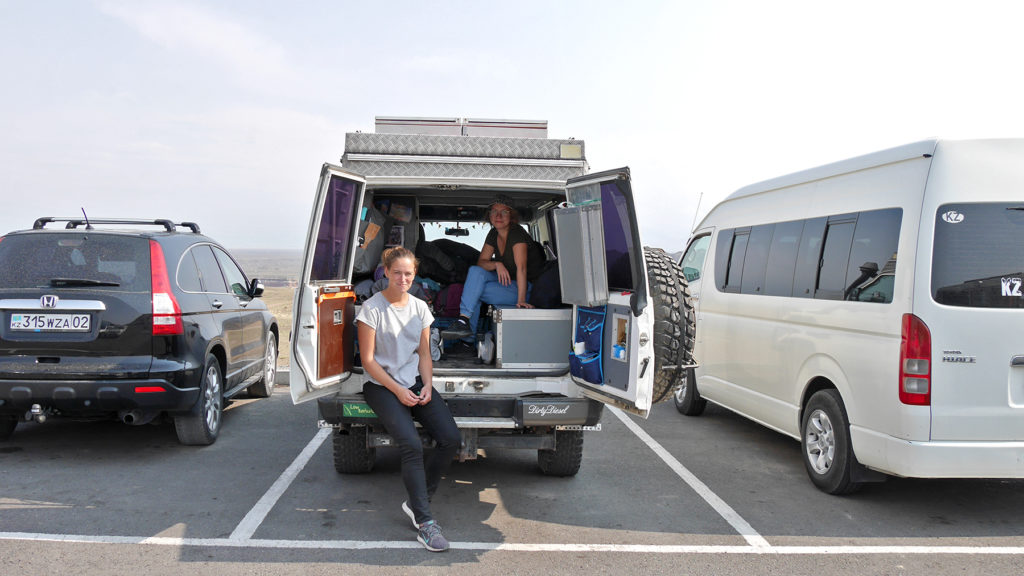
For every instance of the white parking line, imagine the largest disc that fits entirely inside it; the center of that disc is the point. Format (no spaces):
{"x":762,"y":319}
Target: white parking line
{"x":723,"y":509}
{"x":514,"y":547}
{"x":248,"y":526}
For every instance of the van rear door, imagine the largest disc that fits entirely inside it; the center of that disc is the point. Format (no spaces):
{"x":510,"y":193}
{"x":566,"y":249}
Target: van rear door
{"x":323,"y":324}
{"x":603,"y":275}
{"x":975,"y":317}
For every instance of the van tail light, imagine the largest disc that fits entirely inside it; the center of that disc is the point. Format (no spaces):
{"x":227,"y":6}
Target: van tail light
{"x":915,"y":362}
{"x":166,"y":312}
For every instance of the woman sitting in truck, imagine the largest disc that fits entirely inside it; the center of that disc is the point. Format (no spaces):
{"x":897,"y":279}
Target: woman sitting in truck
{"x":509,"y":261}
{"x":394,"y":346}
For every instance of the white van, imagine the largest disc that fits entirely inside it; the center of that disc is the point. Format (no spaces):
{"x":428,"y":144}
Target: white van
{"x":868,"y":308}
{"x":616,"y":328}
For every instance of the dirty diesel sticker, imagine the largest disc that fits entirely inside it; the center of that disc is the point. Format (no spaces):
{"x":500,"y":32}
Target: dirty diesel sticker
{"x":357,"y":410}
{"x":535,"y":412}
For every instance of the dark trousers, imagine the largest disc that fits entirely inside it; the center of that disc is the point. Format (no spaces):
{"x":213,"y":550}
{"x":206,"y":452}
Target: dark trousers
{"x":421,"y":476}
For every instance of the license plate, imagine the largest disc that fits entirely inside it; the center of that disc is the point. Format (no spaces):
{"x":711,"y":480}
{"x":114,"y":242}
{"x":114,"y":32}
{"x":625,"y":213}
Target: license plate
{"x":51,"y":322}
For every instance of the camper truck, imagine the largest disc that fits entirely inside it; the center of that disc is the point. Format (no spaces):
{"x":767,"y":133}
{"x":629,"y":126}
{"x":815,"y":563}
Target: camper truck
{"x":618,"y":330}
{"x":871,"y":309}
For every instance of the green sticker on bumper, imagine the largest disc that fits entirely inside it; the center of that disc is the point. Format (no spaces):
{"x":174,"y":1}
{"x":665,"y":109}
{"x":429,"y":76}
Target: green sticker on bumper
{"x":350,"y":410}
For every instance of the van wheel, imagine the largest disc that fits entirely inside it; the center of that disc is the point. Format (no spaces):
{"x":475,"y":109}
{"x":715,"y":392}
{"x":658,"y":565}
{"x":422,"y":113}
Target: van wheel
{"x":828,"y":453}
{"x":7,"y":426}
{"x":674,"y":323}
{"x":686,"y":397}
{"x":265,"y":385}
{"x":351,"y":454}
{"x":567,"y":456}
{"x":201,"y":426}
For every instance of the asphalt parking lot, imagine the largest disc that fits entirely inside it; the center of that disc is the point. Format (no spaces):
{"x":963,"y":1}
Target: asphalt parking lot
{"x":714,"y":494}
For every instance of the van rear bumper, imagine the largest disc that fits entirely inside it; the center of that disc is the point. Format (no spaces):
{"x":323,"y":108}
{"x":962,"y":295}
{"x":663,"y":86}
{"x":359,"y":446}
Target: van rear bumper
{"x":939,"y":459}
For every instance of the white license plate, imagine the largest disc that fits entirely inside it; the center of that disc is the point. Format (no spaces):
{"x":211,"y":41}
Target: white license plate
{"x":51,"y":322}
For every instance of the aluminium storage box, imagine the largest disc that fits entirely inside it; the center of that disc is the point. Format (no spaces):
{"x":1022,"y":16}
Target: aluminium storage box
{"x":532,"y":337}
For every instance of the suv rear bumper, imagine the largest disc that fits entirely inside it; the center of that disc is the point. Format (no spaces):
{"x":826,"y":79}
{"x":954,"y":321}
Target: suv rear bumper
{"x":474,"y":411}
{"x":93,"y":396}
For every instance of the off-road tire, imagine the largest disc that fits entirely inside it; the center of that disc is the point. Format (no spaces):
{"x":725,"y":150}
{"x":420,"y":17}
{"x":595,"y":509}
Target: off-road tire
{"x":351,"y":454}
{"x":567,"y":456}
{"x":674,"y":321}
{"x":825,"y":444}
{"x":264,"y":387}
{"x":7,"y":426}
{"x":686,"y":397}
{"x":201,"y":426}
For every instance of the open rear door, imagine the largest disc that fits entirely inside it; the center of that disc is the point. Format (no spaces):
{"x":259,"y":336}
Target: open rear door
{"x":323,"y":313}
{"x":603,"y":275}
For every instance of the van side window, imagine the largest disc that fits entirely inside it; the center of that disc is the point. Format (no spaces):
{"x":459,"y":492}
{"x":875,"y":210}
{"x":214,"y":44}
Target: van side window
{"x":809,"y":257}
{"x":840,"y":257}
{"x":835,"y":256}
{"x":693,"y":259}
{"x":778,"y":279}
{"x":756,"y":261}
{"x":722,"y":257}
{"x":335,"y":230}
{"x":872,"y":270}
{"x":737,"y":253}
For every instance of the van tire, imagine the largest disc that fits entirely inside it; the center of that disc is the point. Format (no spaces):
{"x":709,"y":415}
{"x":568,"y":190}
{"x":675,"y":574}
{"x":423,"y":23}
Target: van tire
{"x":674,"y":322}
{"x":351,"y":454}
{"x":7,"y":426}
{"x":686,"y":397}
{"x":567,"y":456}
{"x":825,"y":443}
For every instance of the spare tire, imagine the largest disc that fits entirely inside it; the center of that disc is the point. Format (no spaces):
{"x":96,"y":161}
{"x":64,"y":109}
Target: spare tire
{"x":674,"y":322}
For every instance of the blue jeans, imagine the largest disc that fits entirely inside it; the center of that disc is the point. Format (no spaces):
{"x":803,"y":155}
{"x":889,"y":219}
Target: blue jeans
{"x":483,"y":286}
{"x":421,"y":476}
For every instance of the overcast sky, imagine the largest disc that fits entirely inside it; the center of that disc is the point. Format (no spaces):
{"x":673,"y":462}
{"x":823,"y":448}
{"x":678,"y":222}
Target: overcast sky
{"x":223,"y":112}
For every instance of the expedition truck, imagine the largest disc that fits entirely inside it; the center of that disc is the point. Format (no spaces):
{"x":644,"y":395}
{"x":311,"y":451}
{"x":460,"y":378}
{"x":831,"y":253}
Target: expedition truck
{"x":620,"y":332}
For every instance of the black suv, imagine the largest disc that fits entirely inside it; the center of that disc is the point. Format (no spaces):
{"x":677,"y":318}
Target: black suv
{"x":135,"y":318}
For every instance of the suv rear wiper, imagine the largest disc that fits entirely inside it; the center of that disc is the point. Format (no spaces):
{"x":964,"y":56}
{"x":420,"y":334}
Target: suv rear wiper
{"x":81,"y":282}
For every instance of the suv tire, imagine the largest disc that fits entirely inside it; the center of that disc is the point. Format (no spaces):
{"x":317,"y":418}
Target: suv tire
{"x":567,"y":456}
{"x":351,"y":454}
{"x":264,"y":387}
{"x":201,"y":426}
{"x":7,"y":426}
{"x":674,"y":322}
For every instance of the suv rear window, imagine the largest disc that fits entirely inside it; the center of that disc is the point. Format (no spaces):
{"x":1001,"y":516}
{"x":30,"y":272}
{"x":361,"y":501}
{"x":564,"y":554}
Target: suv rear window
{"x":70,"y":260}
{"x":976,"y":258}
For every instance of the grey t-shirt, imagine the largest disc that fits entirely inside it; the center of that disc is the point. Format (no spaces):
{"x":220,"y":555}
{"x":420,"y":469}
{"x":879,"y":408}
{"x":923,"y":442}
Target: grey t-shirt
{"x":398,"y":334}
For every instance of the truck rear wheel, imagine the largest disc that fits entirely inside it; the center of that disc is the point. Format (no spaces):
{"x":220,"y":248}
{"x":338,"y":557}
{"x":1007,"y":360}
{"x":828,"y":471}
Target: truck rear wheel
{"x":565,"y":459}
{"x":674,"y":322}
{"x":351,"y":454}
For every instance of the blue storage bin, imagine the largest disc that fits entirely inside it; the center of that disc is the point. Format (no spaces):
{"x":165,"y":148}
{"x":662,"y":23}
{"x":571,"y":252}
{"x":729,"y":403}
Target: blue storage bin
{"x":587,"y":367}
{"x":590,"y":327}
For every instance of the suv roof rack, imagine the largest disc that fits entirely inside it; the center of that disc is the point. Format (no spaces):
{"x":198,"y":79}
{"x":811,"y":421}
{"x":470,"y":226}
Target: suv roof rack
{"x":72,"y":223}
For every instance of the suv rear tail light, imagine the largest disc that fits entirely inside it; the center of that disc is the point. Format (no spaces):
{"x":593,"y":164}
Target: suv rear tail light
{"x":166,"y":312}
{"x":915,"y":362}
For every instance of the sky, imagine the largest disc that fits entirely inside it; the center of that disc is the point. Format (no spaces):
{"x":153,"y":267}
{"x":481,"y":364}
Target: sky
{"x":222,"y":112}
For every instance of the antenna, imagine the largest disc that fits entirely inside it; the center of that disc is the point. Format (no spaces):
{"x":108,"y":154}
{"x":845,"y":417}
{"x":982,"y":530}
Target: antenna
{"x":87,"y":225}
{"x":696,"y":211}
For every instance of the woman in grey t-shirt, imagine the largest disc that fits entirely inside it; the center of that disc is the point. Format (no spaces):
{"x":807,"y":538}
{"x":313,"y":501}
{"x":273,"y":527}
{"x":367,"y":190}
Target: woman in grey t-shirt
{"x":394,"y":346}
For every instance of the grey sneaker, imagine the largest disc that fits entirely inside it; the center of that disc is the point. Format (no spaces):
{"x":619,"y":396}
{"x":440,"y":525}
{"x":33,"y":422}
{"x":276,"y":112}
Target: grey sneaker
{"x":431,"y":538}
{"x":408,"y":512}
{"x":457,"y":330}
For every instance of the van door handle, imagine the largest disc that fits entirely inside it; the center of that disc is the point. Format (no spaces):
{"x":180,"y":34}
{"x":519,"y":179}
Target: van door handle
{"x":1017,"y":361}
{"x":217,"y":304}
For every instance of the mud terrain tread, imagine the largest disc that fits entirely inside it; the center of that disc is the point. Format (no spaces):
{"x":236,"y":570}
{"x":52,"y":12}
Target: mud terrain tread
{"x":351,"y":454}
{"x":567,"y":456}
{"x":674,"y":321}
